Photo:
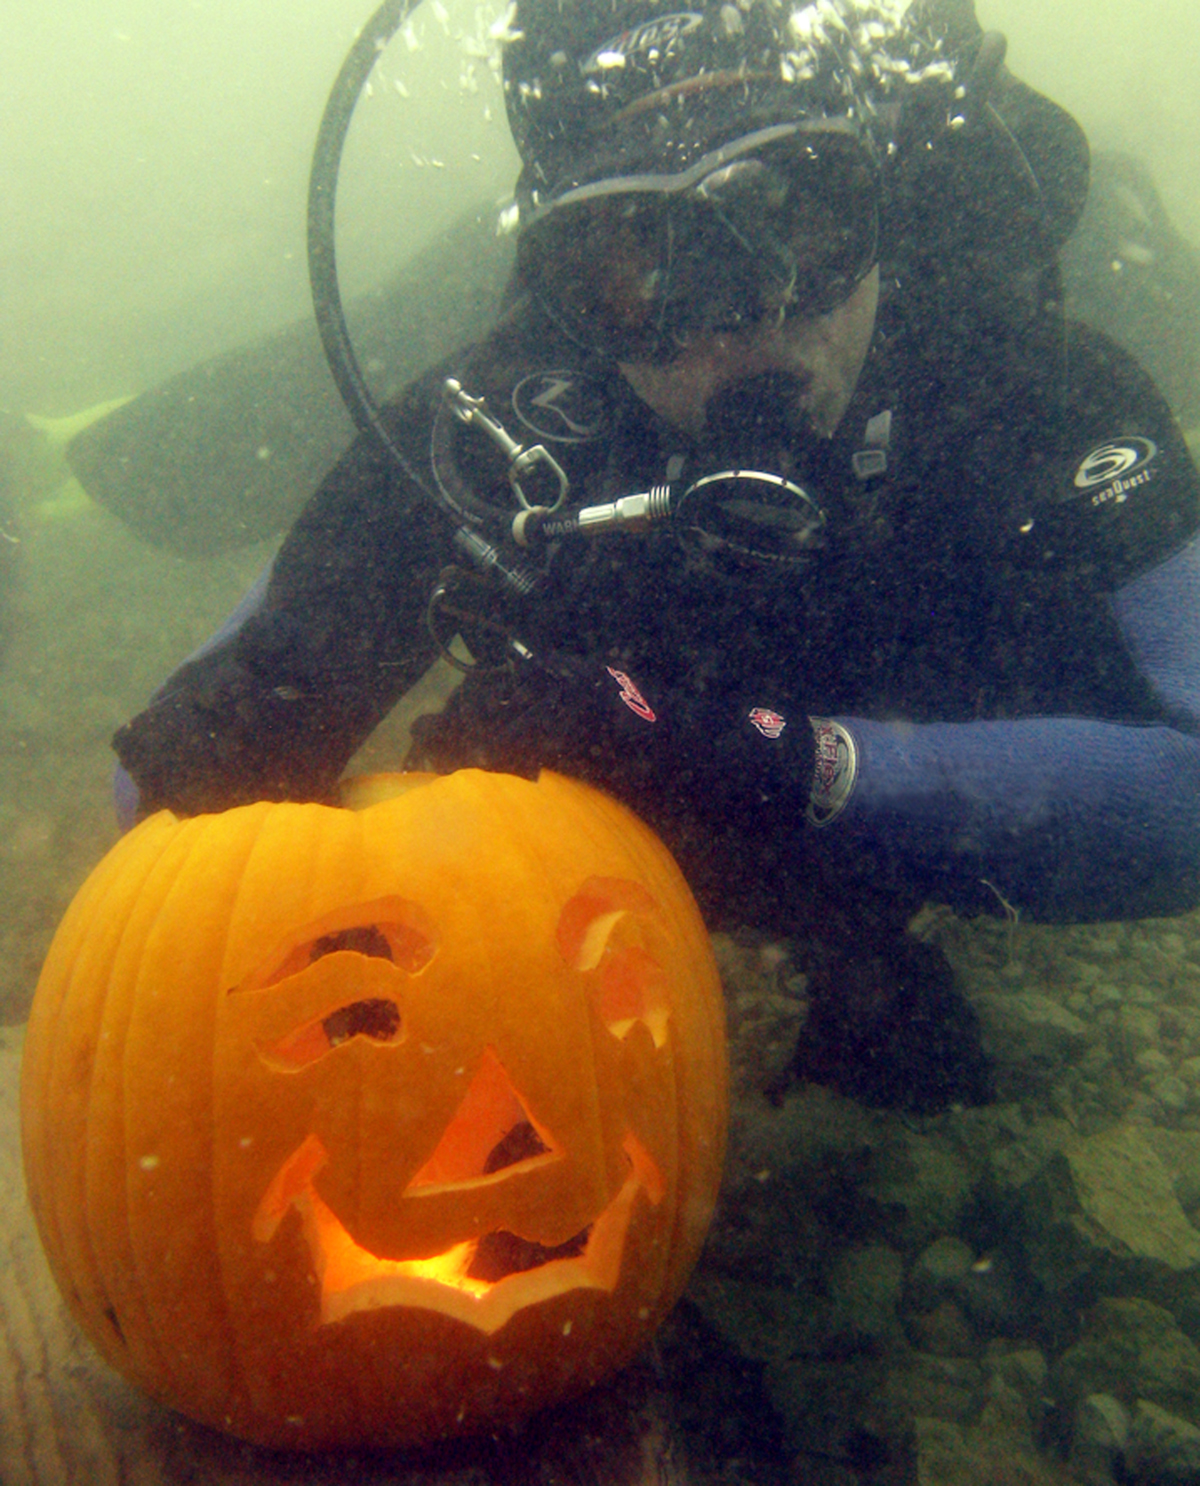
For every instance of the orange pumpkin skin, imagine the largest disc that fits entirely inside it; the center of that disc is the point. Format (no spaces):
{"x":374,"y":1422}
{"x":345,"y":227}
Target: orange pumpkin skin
{"x":379,"y":1124}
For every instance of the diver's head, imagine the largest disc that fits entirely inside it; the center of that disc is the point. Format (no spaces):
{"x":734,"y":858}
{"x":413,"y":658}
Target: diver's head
{"x":689,"y":174}
{"x":796,"y":373}
{"x":706,"y":193}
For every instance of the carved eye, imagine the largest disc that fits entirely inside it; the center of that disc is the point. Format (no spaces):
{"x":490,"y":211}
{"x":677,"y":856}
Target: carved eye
{"x":407,"y":945}
{"x":389,"y":929}
{"x":361,"y":952}
{"x":375,"y":1017}
{"x":362,"y":939}
{"x":602,"y":930}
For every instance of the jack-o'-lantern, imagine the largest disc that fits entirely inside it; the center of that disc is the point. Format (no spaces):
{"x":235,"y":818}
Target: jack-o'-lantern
{"x":382,"y":1123}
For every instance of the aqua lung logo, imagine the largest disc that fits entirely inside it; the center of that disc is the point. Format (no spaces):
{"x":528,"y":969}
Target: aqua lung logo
{"x":563,"y":406}
{"x":1109,"y":473}
{"x":660,"y":36}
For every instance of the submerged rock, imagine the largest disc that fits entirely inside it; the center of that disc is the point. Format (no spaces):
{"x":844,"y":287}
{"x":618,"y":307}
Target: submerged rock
{"x":1162,"y":1447}
{"x":1030,"y":1037}
{"x":951,"y":1455}
{"x":1100,"y":1434}
{"x":1105,"y":1207}
{"x":1131,"y":1350}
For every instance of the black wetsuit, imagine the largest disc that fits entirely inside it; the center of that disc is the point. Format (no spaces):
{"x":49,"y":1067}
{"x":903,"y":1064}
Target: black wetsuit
{"x":993,"y":573}
{"x":1005,"y":619}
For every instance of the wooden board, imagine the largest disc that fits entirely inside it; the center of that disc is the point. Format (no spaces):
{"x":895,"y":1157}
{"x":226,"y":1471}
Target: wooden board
{"x":67,"y":1420}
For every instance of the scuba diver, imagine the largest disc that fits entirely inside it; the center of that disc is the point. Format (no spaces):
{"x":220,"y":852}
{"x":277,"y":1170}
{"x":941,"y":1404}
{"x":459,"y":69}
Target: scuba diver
{"x":782,"y":503}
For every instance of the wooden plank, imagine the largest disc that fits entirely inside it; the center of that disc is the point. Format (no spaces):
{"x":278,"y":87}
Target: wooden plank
{"x":67,"y":1420}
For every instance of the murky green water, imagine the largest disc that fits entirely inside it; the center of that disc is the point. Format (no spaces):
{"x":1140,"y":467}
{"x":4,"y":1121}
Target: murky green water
{"x":975,"y":1298}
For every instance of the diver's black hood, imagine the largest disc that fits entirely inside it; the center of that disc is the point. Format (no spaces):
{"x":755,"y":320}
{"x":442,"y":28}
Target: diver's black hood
{"x":595,"y":88}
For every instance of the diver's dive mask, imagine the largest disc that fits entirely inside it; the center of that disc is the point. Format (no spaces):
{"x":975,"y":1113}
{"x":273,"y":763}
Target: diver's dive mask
{"x":780,"y":222}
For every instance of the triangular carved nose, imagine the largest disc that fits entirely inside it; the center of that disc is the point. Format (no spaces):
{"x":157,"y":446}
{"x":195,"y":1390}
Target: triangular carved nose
{"x":491,"y":1131}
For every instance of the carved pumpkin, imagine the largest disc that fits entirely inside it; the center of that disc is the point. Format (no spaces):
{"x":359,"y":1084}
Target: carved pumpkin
{"x":383,"y":1123}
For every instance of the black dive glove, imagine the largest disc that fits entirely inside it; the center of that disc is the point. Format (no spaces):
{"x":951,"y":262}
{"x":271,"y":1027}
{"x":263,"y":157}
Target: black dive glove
{"x":223,"y":734}
{"x":723,"y":752}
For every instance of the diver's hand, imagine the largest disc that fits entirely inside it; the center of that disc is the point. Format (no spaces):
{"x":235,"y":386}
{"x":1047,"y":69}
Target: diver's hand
{"x":727,"y":750}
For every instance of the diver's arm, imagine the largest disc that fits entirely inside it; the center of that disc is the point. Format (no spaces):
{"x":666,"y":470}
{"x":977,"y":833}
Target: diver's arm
{"x":1063,"y":818}
{"x":275,"y":707}
{"x":278,"y":707}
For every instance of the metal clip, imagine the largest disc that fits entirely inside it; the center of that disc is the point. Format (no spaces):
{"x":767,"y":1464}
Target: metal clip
{"x":467,"y":637}
{"x":522,"y":459}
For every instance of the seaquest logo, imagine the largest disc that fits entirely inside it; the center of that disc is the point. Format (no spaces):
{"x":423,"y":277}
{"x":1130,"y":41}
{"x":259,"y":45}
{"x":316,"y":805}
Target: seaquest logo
{"x":1110,"y":472}
{"x":659,"y":35}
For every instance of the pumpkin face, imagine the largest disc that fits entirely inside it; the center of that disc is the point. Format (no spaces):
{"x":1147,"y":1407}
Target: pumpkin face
{"x":383,"y":1123}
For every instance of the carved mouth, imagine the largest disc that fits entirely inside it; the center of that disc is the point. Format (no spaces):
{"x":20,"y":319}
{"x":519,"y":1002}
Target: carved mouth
{"x":482,"y":1281}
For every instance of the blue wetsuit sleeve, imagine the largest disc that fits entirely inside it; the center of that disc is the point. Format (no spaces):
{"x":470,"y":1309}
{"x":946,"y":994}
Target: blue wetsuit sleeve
{"x":1064,"y":818}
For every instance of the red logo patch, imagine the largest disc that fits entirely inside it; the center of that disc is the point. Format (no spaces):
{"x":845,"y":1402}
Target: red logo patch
{"x":631,"y":696}
{"x":769,"y":723}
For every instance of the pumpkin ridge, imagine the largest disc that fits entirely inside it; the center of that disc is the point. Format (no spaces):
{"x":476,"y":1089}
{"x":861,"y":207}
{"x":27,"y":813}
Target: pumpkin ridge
{"x":166,"y":1147}
{"x":47,"y":1057}
{"x":103,"y":1214}
{"x":41,"y":1065}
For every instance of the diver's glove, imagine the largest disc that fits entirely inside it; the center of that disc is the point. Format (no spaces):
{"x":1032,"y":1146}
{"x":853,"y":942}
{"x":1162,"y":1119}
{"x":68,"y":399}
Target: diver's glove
{"x":728,"y":751}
